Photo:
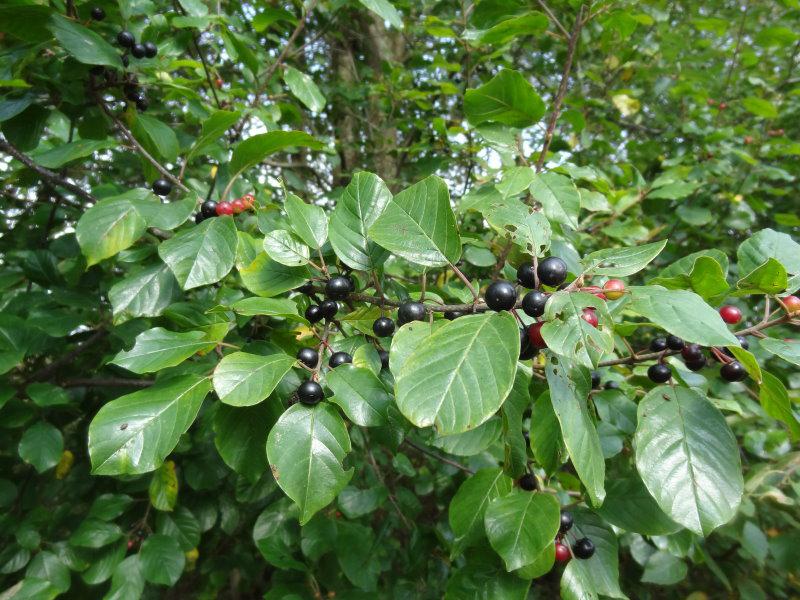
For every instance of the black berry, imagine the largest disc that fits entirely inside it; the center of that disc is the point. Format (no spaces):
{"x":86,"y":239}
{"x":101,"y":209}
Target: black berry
{"x":98,"y":14}
{"x":526,"y":350}
{"x":611,"y":385}
{"x":162,"y":187}
{"x":308,"y":356}
{"x":125,"y":39}
{"x":410,"y":311}
{"x":658,"y":344}
{"x":583,"y":548}
{"x":310,"y":392}
{"x":150,"y":50}
{"x":566,"y":521}
{"x":527,"y":482}
{"x":659,"y":373}
{"x":138,"y":51}
{"x":552,"y":271}
{"x":743,"y":341}
{"x":733,"y":371}
{"x":384,"y":358}
{"x":209,"y":208}
{"x":451,"y":315}
{"x":595,"y":380}
{"x":696,"y":365}
{"x":692,"y":352}
{"x":329,"y":309}
{"x":339,"y":358}
{"x":533,"y":303}
{"x":526,"y":276}
{"x":501,"y":295}
{"x":125,"y":60}
{"x":338,"y":287}
{"x":199,"y":218}
{"x":142,"y":103}
{"x":675,"y":343}
{"x":314,"y":313}
{"x":383,"y":327}
{"x":307,"y":288}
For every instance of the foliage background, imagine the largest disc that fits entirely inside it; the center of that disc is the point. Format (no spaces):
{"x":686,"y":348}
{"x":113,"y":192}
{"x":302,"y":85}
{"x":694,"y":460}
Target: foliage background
{"x":676,"y":120}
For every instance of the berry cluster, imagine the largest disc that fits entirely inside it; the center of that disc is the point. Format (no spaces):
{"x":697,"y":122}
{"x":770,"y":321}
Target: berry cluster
{"x":582,"y":548}
{"x":210,"y":209}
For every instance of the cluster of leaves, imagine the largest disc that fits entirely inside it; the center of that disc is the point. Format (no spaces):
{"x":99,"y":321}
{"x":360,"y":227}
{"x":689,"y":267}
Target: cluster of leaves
{"x":152,"y":433}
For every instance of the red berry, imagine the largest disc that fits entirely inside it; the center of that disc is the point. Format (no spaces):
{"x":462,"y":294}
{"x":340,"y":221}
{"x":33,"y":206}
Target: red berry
{"x":238,"y":206}
{"x":248,"y":200}
{"x":224,"y":208}
{"x":792,"y":304}
{"x":614,"y":289}
{"x":562,"y":552}
{"x":730,"y":314}
{"x":535,"y":336}
{"x":590,"y":317}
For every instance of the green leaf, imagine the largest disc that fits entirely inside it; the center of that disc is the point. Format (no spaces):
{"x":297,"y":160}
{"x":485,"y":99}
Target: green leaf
{"x":385,"y":10}
{"x":109,"y":226}
{"x":156,"y":136}
{"x":157,"y":349}
{"x":243,"y":379}
{"x":707,"y":278}
{"x":134,"y":433}
{"x":213,"y":129}
{"x":662,"y":568}
{"x":162,"y":560}
{"x":181,"y":525}
{"x":621,"y":262}
{"x":419,"y":225}
{"x":363,"y":200}
{"x":530,"y":24}
{"x":559,"y":198}
{"x":276,"y":535}
{"x":748,"y":361}
{"x":360,"y":394}
{"x":258,"y":147}
{"x":127,"y":583}
{"x":460,"y":375}
{"x":63,"y":154}
{"x":241,"y":436}
{"x":41,"y":446}
{"x":304,"y":89}
{"x":760,"y":107}
{"x":163,"y":489}
{"x":527,"y":228}
{"x":266,"y":277}
{"x":521,"y":525}
{"x":486,"y":581}
{"x":507,"y":98}
{"x":468,"y":505}
{"x":47,"y":394}
{"x":308,"y":221}
{"x":94,"y":533}
{"x":598,"y":575}
{"x":49,"y":567}
{"x":765,"y":244}
{"x":569,"y":388}
{"x":305,"y":450}
{"x":83,"y":43}
{"x":144,"y":294}
{"x":167,"y":216}
{"x":203,"y":254}
{"x":688,"y":458}
{"x":473,"y":441}
{"x":629,"y":506}
{"x":282,"y":308}
{"x":776,"y":403}
{"x":787,"y":350}
{"x":682,"y":313}
{"x":769,"y":278}
{"x":354,"y":553}
{"x":546,"y":442}
{"x":281,"y":247}
{"x":568,"y":334}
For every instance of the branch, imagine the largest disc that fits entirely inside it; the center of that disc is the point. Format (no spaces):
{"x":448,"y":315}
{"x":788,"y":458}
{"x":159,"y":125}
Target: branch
{"x":438,"y":457}
{"x":562,"y":87}
{"x":553,"y":18}
{"x":47,"y":174}
{"x":108,"y":382}
{"x":79,"y":349}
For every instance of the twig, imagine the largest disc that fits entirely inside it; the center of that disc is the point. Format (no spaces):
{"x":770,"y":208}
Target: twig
{"x":376,"y":469}
{"x":108,"y":382}
{"x":553,"y":18}
{"x":438,"y":457}
{"x":466,"y":281}
{"x":79,"y":349}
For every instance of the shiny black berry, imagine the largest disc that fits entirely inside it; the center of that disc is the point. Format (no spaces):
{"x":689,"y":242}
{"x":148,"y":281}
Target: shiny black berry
{"x":199,"y":218}
{"x":596,"y":380}
{"x":209,"y":209}
{"x":533,"y":303}
{"x":658,"y":344}
{"x":310,"y":392}
{"x":566,"y":521}
{"x":733,"y":371}
{"x":307,"y":288}
{"x":410,"y":311}
{"x":384,"y":358}
{"x":659,"y":373}
{"x":501,"y":295}
{"x":696,"y":365}
{"x":383,"y":327}
{"x":692,"y":352}
{"x":314,"y":313}
{"x":125,"y":39}
{"x":452,"y":315}
{"x":308,"y":356}
{"x":583,"y":549}
{"x":743,"y":341}
{"x":552,"y":271}
{"x":138,"y":51}
{"x":337,"y":288}
{"x":162,"y":187}
{"x":526,"y":276}
{"x":98,"y":14}
{"x":526,"y":350}
{"x":329,"y":309}
{"x":150,"y":50}
{"x":528,"y":482}
{"x":142,"y":103}
{"x":675,"y":343}
{"x":339,"y":358}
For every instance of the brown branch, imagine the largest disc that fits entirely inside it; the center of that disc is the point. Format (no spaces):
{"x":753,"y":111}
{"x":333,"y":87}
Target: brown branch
{"x":377,"y":471}
{"x":554,"y":18}
{"x":79,"y":349}
{"x":438,"y":457}
{"x":108,"y":382}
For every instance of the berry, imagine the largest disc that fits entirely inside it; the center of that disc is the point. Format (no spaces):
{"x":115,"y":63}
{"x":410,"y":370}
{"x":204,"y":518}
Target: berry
{"x":552,"y":271}
{"x":692,"y":352}
{"x":238,"y":206}
{"x":383,"y":327}
{"x":526,"y":349}
{"x":313,"y":313}
{"x":658,"y":344}
{"x":337,"y":288}
{"x":162,"y":187}
{"x":339,"y":358}
{"x":611,"y":385}
{"x":410,"y":311}
{"x":674,"y":343}
{"x":583,"y":548}
{"x":224,"y":208}
{"x":595,"y":380}
{"x":659,"y":373}
{"x":209,"y":209}
{"x":199,"y":218}
{"x":533,"y":303}
{"x":150,"y":50}
{"x":527,"y":482}
{"x":792,"y":304}
{"x":566,"y":521}
{"x":307,"y":288}
{"x":98,"y":14}
{"x":125,"y":39}
{"x":452,"y":315}
{"x":249,"y":200}
{"x":329,"y":309}
{"x":142,"y":103}
{"x":535,"y":336}
{"x":696,"y":365}
{"x":501,"y":295}
{"x":138,"y":51}
{"x":562,"y":552}
{"x":125,"y":60}
{"x":733,"y":371}
{"x":743,"y":341}
{"x":730,"y":314}
{"x":526,"y":276}
{"x":310,"y":392}
{"x":308,"y":356}
{"x":590,"y":317}
{"x":384,"y":358}
{"x":614,"y":289}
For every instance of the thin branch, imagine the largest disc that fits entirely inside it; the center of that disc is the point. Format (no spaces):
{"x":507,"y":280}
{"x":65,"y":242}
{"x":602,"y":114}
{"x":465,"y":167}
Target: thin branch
{"x":108,"y":382}
{"x":438,"y":457}
{"x":377,"y":471}
{"x":66,"y":359}
{"x":553,"y":18}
